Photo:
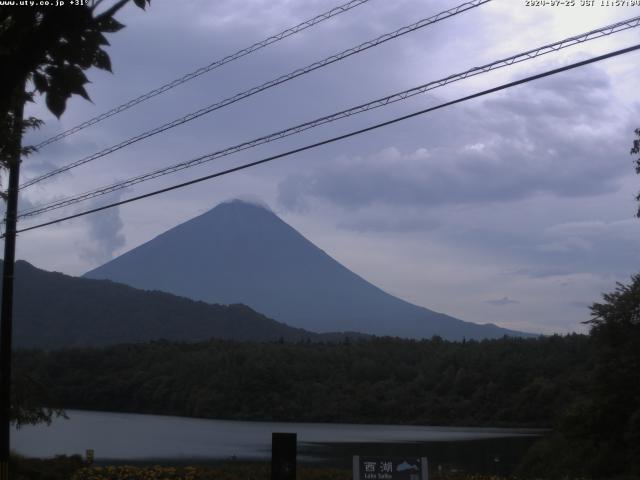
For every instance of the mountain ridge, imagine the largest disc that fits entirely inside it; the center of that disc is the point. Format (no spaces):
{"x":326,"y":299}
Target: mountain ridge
{"x":53,"y":310}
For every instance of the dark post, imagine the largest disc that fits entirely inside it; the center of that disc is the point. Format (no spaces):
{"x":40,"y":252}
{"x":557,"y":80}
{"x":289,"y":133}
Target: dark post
{"x":283,"y":456}
{"x":7,"y":287}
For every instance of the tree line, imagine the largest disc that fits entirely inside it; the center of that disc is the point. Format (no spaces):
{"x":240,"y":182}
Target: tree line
{"x":519,"y":382}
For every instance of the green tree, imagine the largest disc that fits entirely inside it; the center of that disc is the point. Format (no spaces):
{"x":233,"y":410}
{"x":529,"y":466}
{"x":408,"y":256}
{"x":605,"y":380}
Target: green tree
{"x":52,"y":47}
{"x":635,"y":149}
{"x":615,"y":328}
{"x":599,"y":434}
{"x":29,"y":401}
{"x":44,"y":50}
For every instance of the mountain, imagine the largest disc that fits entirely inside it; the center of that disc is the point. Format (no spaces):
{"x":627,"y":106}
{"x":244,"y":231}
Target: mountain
{"x":55,"y":310}
{"x":240,"y":252}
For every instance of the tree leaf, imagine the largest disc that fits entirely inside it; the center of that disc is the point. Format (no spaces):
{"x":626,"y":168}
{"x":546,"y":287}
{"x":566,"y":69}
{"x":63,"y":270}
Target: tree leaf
{"x":73,"y":80}
{"x":56,"y":103}
{"x":110,"y":25}
{"x":67,"y":80}
{"x":85,"y":56}
{"x":141,"y":3}
{"x":102,"y":61}
{"x":80,"y":90}
{"x":102,"y":40}
{"x":40,"y":82}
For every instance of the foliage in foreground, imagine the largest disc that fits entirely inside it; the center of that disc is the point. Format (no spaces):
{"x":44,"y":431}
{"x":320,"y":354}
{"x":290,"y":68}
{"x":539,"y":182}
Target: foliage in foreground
{"x":61,"y":467}
{"x":598,"y":435}
{"x":45,"y":50}
{"x":232,"y":472}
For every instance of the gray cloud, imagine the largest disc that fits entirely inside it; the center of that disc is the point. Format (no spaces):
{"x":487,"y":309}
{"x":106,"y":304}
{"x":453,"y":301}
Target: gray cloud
{"x":571,"y":96}
{"x":104,"y":231}
{"x":501,"y":302}
{"x":594,"y":246}
{"x":555,"y":251}
{"x":390,"y":224}
{"x":580,"y":305}
{"x":536,"y":140}
{"x":543,"y":272}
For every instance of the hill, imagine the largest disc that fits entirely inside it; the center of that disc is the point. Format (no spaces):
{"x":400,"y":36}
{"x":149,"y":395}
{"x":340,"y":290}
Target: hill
{"x":55,"y":310}
{"x":239,"y":252}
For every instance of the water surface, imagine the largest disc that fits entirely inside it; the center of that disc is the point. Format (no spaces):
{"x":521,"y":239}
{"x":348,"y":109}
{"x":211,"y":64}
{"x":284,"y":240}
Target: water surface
{"x":133,"y":437}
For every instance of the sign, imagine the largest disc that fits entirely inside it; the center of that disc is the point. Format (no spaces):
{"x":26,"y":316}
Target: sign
{"x":283,"y":456}
{"x":390,"y":468}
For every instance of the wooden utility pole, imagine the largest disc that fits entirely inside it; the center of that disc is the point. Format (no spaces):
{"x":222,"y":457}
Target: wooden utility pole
{"x":6,"y":323}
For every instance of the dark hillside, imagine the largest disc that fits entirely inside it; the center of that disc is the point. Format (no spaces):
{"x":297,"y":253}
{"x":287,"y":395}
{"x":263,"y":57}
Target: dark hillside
{"x":55,"y":310}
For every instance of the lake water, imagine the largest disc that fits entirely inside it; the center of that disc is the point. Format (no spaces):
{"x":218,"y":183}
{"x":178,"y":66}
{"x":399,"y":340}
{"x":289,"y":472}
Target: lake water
{"x":136,"y":438}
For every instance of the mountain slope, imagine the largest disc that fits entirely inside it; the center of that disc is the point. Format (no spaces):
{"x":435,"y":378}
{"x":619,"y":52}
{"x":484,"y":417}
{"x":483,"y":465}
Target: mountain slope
{"x":55,"y":310}
{"x":243,"y":253}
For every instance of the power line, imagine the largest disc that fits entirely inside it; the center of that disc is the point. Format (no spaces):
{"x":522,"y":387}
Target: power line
{"x":272,"y":83}
{"x":530,"y":54}
{"x":202,"y":70}
{"x":341,"y":137}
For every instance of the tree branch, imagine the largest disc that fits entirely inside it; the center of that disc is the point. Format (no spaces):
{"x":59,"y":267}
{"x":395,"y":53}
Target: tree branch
{"x":111,"y":11}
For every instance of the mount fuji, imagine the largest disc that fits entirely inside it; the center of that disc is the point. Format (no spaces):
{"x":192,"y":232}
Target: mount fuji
{"x":240,"y":252}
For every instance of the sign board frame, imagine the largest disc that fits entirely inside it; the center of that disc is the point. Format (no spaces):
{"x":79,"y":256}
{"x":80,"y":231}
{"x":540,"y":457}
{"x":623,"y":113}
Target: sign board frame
{"x":422,"y":474}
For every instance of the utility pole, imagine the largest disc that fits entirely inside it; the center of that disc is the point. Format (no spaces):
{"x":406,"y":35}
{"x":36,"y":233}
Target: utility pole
{"x":6,"y":323}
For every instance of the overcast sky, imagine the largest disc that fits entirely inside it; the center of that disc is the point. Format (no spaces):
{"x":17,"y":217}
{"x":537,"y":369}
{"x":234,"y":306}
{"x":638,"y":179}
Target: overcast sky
{"x":516,"y":208}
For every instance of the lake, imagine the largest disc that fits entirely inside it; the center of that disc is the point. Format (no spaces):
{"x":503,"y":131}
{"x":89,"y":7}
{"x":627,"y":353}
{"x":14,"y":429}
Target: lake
{"x":118,"y":437}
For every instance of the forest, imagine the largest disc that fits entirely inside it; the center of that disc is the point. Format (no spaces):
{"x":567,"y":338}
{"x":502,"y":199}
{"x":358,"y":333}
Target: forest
{"x":506,"y":382}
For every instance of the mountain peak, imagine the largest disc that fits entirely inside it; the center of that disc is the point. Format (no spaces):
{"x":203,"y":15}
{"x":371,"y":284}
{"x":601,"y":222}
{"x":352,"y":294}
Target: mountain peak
{"x":243,"y":204}
{"x":236,"y":211}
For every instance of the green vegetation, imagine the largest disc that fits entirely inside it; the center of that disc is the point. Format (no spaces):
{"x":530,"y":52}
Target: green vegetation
{"x":234,"y":472}
{"x":510,"y":381}
{"x":61,"y":467}
{"x":73,"y":468}
{"x":599,"y":433}
{"x":635,"y":149}
{"x":44,"y":50}
{"x":52,"y":47}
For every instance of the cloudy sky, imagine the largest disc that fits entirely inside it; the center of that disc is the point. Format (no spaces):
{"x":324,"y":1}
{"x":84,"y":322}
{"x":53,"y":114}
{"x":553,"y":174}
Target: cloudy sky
{"x":515,"y":208}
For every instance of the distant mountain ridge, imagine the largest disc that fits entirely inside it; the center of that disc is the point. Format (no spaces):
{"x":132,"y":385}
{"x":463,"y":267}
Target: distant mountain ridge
{"x":53,"y":310}
{"x":240,"y":252}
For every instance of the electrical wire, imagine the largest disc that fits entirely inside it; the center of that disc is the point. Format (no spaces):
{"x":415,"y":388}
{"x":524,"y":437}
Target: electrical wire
{"x":340,"y":137}
{"x":528,"y":55}
{"x":272,"y":83}
{"x":202,"y":70}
